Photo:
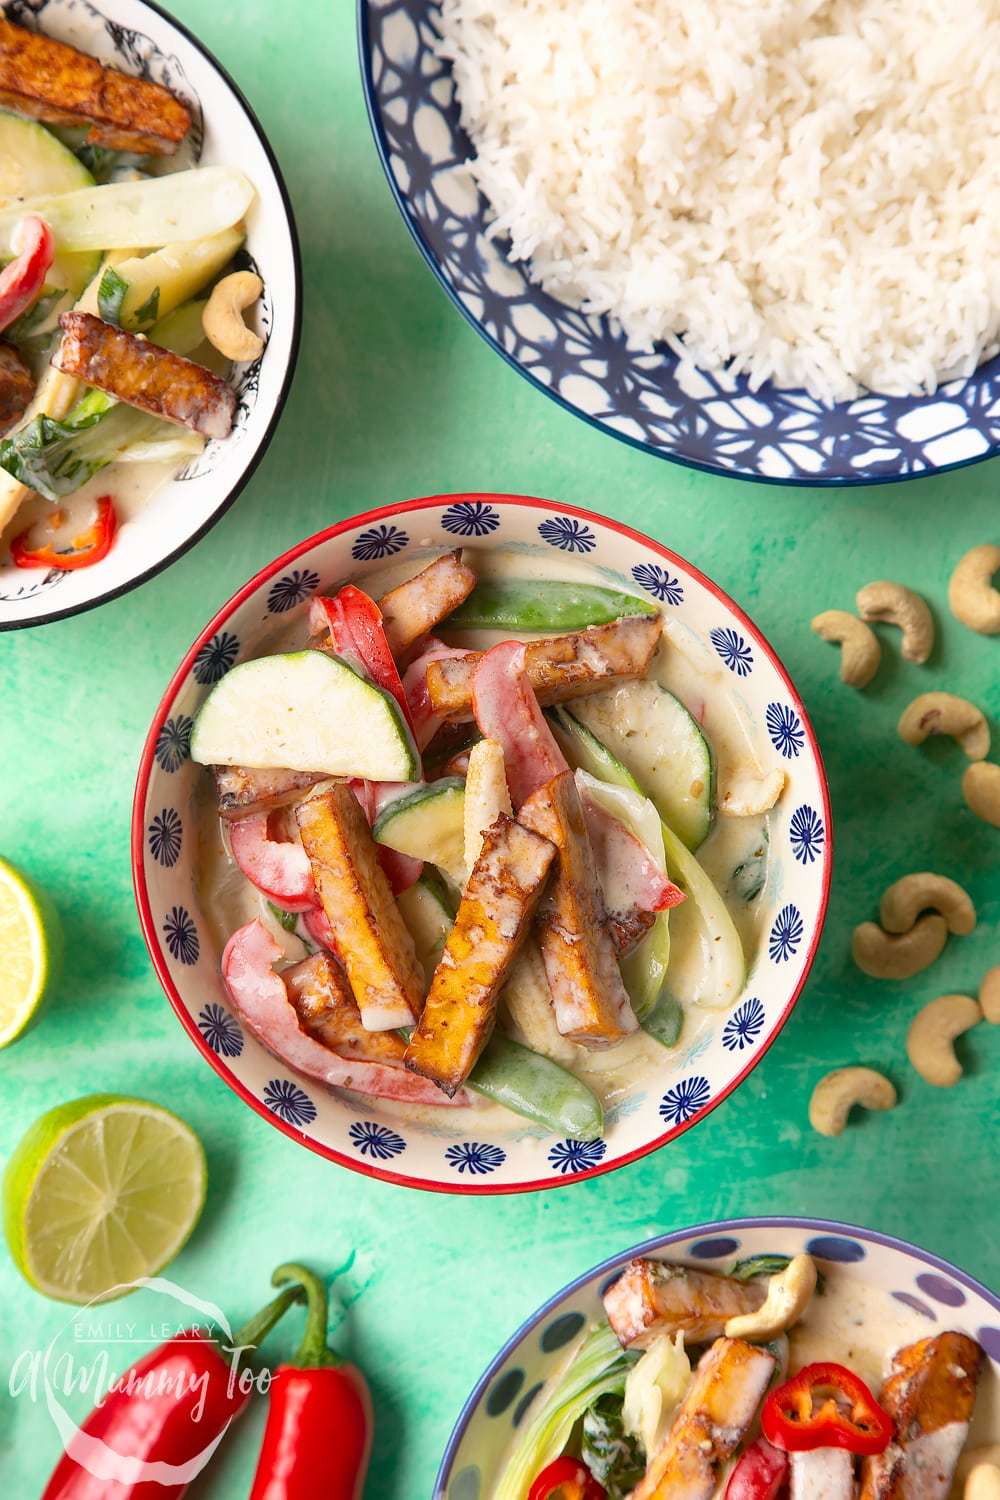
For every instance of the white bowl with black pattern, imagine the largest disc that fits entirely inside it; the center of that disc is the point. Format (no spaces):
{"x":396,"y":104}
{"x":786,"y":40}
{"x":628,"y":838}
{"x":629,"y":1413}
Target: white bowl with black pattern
{"x":940,"y":1294}
{"x":648,"y":399}
{"x":452,"y":1154}
{"x":138,"y":38}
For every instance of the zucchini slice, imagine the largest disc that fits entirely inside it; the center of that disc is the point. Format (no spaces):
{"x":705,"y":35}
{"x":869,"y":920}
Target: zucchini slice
{"x":304,"y":711}
{"x":34,"y":164}
{"x":429,"y":824}
{"x":658,"y":742}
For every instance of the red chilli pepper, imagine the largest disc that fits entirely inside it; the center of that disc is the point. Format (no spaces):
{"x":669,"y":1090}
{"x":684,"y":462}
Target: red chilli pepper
{"x":318,"y":1437}
{"x":566,"y":1479}
{"x":825,"y":1406}
{"x":355,"y":624}
{"x":759,"y":1474}
{"x":21,"y":281}
{"x":163,"y":1418}
{"x":89,"y":547}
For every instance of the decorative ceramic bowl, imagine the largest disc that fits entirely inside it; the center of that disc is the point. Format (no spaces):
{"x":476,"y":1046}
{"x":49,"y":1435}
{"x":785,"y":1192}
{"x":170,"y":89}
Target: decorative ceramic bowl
{"x":452,"y":1155}
{"x":139,"y":38}
{"x":936,"y":1291}
{"x":704,"y":420}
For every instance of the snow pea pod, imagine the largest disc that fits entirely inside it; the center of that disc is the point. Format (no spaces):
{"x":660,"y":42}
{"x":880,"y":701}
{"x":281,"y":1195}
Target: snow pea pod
{"x":538,"y":1088}
{"x":666,"y":1020}
{"x":540,"y":604}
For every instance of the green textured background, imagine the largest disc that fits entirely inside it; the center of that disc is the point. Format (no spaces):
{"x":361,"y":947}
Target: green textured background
{"x":395,"y":397}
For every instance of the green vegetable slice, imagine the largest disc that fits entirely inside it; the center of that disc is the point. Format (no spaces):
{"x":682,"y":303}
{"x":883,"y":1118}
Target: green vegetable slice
{"x":543,"y":604}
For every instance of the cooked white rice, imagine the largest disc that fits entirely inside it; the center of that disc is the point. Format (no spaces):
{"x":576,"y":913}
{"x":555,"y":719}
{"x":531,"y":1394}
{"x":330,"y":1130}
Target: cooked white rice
{"x":805,"y":192}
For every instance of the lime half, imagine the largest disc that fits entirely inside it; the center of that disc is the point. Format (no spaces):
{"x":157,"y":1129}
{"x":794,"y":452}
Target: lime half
{"x":30,"y":950}
{"x":100,"y":1192}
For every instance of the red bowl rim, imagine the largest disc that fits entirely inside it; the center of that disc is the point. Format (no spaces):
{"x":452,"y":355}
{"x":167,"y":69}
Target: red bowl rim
{"x":147,"y":762}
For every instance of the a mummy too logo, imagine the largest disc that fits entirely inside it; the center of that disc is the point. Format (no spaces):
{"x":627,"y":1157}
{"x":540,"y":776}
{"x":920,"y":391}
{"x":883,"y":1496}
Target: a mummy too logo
{"x":141,"y":1396}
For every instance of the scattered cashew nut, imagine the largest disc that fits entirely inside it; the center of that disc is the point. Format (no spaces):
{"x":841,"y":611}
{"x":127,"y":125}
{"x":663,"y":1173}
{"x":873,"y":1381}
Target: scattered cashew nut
{"x":222,"y":318}
{"x":899,"y":606}
{"x":834,"y":1095}
{"x":883,"y":955}
{"x":989,"y":996}
{"x":861,"y":652}
{"x":907,"y":898}
{"x":930,"y":1039}
{"x":944,"y":713}
{"x":746,"y":796}
{"x":972,"y":598}
{"x":982,"y":1482}
{"x":788,"y":1296}
{"x":981,"y":790}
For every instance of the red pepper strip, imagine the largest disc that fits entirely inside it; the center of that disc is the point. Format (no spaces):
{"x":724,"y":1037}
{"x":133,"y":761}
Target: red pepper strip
{"x":21,"y":281}
{"x":566,"y":1479}
{"x":355,"y":625}
{"x":163,"y":1418}
{"x":318,"y":1437}
{"x":798,"y":1418}
{"x":759,"y":1474}
{"x":92,"y":544}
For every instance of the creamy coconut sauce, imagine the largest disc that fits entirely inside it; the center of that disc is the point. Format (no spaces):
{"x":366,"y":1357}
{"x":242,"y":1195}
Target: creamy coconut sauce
{"x":735,"y":854}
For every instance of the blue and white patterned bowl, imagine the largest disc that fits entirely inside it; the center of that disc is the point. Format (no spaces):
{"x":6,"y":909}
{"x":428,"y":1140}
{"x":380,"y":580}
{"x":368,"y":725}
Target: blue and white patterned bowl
{"x":702,"y":420}
{"x":138,"y":38}
{"x":935,"y":1290}
{"x":383,"y":1141}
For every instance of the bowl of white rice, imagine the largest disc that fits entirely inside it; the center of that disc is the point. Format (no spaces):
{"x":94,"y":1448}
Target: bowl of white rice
{"x":753,"y":236}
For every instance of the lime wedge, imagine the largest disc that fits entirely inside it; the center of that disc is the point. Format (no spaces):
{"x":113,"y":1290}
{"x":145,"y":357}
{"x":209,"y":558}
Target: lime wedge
{"x":30,"y":950}
{"x":99,"y":1192}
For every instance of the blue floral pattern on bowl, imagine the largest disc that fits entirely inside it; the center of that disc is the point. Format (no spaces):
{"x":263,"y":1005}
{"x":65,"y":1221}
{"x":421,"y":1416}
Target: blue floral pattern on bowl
{"x":294,"y":588}
{"x":376,"y":1141}
{"x":290,"y":1103}
{"x":173,"y":743}
{"x":652,"y":400}
{"x":475,"y":1158}
{"x":221,"y":1031}
{"x":455,"y":1150}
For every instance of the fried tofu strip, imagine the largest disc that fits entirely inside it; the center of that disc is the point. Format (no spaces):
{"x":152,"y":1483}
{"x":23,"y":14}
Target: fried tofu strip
{"x":377,"y":950}
{"x":651,"y":1298}
{"x":17,"y":386}
{"x":589,"y":1000}
{"x":241,"y":791}
{"x":142,"y":374}
{"x":930,"y":1395}
{"x":61,"y":86}
{"x":416,"y":606}
{"x":728,"y":1385}
{"x":321,"y":997}
{"x":628,"y":928}
{"x":562,"y":667}
{"x":493,"y":919}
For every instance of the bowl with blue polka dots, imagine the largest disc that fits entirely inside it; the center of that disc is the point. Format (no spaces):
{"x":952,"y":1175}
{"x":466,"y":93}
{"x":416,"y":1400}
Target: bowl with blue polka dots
{"x":909,"y":1294}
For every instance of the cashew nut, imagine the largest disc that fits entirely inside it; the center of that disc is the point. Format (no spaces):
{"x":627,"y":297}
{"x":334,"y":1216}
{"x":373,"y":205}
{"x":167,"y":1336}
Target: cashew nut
{"x":746,"y":796}
{"x":989,"y":996}
{"x":971,"y":597}
{"x":944,"y":713}
{"x":981,"y":790}
{"x":907,"y":898}
{"x":788,"y":1296}
{"x":861,"y":653}
{"x":982,"y":1482}
{"x":834,"y":1095}
{"x":971,"y":1458}
{"x":930,"y":1039}
{"x":883,"y":955}
{"x":222,"y":318}
{"x":899,"y":606}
